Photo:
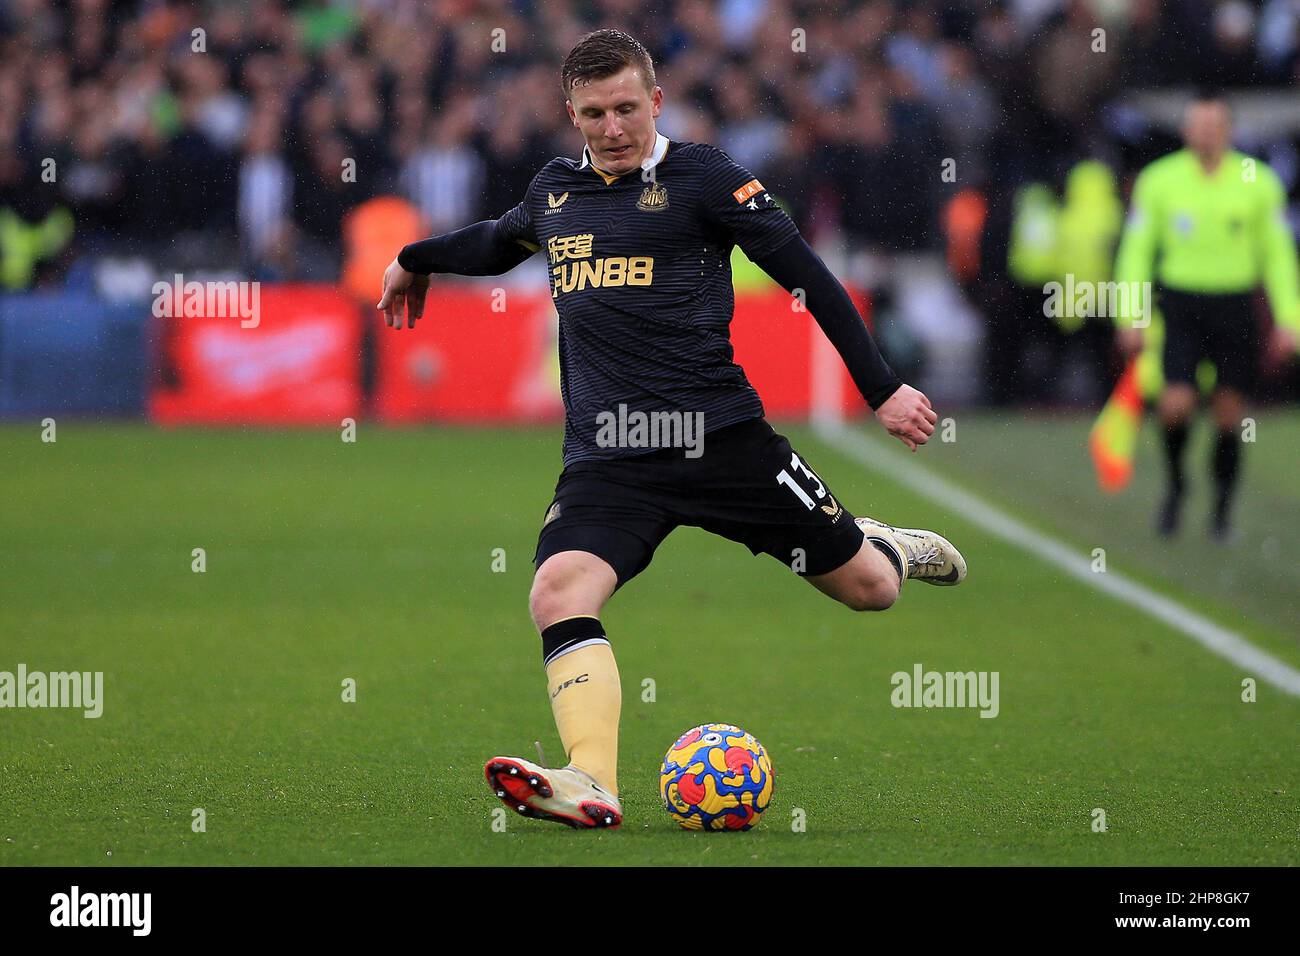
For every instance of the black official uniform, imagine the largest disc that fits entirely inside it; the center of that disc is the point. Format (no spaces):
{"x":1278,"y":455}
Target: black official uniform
{"x":639,"y":269}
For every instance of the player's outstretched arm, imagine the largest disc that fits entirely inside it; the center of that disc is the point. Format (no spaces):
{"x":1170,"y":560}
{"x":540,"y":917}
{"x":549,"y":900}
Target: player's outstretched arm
{"x":487,"y":248}
{"x":903,"y":411}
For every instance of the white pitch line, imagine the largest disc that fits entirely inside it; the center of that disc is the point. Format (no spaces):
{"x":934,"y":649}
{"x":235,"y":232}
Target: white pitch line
{"x":1227,"y":644}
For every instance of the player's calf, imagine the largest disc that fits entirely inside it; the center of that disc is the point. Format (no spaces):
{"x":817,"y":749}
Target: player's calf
{"x":868,"y":582}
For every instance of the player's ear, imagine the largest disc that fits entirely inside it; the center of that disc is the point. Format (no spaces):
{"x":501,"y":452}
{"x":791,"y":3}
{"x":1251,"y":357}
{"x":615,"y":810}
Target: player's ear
{"x":657,"y":100}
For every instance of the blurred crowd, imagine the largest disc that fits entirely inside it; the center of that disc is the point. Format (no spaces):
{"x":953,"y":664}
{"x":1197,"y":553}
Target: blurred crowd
{"x":241,"y":133}
{"x":247,"y":139}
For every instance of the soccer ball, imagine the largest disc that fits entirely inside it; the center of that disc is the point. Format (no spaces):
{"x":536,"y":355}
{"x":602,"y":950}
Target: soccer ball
{"x":716,"y":777}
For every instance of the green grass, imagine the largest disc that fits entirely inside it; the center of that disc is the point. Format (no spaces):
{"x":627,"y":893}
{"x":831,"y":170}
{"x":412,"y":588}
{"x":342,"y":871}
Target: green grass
{"x":373,"y":561}
{"x":1040,"y":464}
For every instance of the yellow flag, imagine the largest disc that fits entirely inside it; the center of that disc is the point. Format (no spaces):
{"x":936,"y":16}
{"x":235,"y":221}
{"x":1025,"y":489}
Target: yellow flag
{"x":1113,"y":439}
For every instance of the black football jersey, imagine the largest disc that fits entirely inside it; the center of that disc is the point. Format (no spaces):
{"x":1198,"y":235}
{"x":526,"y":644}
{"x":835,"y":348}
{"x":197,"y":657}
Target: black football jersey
{"x":640,"y":273}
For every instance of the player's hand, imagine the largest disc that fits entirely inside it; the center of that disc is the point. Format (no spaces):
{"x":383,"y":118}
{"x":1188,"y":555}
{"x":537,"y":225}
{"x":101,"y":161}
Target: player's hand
{"x":907,"y":416}
{"x":403,"y":295}
{"x":1130,"y":342}
{"x":1281,"y":345}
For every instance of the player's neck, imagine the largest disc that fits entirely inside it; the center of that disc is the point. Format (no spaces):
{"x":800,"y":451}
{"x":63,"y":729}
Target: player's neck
{"x":1209,"y":162}
{"x":648,"y":152}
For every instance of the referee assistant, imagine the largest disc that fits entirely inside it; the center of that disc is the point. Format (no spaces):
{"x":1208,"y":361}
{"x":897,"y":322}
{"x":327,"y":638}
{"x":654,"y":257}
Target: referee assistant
{"x":1207,"y":224}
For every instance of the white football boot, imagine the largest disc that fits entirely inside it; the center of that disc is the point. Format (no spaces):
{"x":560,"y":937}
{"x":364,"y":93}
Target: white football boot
{"x":566,"y":795}
{"x":924,"y":555}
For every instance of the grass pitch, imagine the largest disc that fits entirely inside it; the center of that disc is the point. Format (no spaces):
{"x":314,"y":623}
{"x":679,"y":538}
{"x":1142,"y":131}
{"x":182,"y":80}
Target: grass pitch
{"x":373,"y":561}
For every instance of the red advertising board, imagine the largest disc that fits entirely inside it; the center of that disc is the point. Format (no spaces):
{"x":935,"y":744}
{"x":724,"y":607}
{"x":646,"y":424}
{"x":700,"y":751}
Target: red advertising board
{"x":776,"y":345}
{"x":480,"y":354}
{"x":469,"y":360}
{"x":298,"y":364}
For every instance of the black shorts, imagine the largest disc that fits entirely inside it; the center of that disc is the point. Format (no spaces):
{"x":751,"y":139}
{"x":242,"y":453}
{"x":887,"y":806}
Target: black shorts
{"x":1221,"y":328}
{"x":748,"y":485}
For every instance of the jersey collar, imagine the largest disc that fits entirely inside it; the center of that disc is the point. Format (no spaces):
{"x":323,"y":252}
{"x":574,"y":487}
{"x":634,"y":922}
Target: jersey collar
{"x":650,"y":162}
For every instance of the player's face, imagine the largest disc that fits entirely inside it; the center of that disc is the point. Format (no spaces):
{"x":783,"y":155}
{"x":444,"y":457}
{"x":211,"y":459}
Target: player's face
{"x":617,"y":118}
{"x":1207,"y":128}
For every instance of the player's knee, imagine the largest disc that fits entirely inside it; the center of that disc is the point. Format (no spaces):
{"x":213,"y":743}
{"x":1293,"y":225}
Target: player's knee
{"x":1228,"y":411}
{"x":568,"y":584}
{"x":547,"y":601}
{"x":874,"y":594}
{"x":1228,"y":421}
{"x":1177,"y":404}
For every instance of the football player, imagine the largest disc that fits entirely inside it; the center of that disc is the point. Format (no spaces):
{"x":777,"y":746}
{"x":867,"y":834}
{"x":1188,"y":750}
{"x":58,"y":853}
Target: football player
{"x":637,"y":235}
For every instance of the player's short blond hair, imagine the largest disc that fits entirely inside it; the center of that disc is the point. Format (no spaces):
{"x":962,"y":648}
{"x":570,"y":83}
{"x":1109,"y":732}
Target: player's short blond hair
{"x":605,"y":53}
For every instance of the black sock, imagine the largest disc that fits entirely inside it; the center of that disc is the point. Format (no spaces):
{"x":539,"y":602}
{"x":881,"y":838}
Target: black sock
{"x":888,"y":552}
{"x":570,"y":634}
{"x":1175,"y":442}
{"x":1227,"y":460}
